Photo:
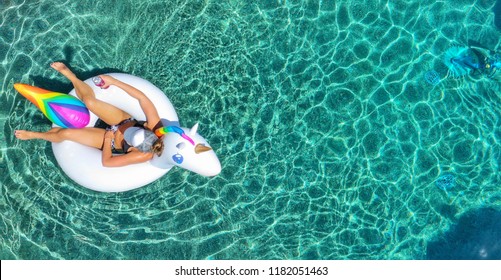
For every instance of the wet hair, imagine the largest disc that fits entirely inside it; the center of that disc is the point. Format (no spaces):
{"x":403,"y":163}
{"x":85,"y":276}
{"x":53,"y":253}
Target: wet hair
{"x":158,"y":147}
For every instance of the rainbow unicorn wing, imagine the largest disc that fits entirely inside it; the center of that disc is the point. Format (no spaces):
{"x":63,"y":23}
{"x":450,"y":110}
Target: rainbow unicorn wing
{"x":62,"y":109}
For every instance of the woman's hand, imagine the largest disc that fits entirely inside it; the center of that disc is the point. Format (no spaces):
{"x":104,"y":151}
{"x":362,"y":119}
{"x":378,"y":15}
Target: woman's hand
{"x":108,"y":81}
{"x":107,"y":154}
{"x":109,"y":135}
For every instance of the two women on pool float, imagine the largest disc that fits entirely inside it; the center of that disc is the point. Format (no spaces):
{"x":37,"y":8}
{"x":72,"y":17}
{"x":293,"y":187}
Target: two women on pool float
{"x":134,"y":140}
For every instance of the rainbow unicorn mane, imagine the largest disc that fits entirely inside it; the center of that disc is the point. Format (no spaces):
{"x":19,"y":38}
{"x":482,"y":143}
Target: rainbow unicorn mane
{"x":166,"y":129}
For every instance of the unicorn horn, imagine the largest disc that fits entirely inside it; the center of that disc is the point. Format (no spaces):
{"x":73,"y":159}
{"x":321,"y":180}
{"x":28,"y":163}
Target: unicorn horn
{"x":193,"y":130}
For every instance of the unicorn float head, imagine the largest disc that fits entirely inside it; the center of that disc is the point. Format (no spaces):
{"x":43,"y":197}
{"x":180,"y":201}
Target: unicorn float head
{"x":185,"y":148}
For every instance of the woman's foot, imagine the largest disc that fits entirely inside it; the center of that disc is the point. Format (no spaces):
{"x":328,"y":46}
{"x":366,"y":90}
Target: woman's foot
{"x":24,"y":134}
{"x":51,"y":135}
{"x":63,"y":69}
{"x":82,"y":89}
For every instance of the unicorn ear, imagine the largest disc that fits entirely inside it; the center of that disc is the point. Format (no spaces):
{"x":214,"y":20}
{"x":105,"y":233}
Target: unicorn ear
{"x":193,"y":130}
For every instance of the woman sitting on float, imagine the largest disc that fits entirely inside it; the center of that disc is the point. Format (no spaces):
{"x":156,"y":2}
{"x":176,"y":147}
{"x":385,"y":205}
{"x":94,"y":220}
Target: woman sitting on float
{"x":123,"y":140}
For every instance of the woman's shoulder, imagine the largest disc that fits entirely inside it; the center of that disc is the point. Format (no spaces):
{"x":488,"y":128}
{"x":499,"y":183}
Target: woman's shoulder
{"x":158,"y":125}
{"x":146,"y":125}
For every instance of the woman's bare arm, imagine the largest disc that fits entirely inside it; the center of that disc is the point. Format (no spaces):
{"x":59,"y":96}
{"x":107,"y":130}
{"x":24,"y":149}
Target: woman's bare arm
{"x":127,"y":159}
{"x":147,"y":106}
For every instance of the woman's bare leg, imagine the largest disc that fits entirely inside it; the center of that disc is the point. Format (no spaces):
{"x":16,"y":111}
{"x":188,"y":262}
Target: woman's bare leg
{"x":105,"y":111}
{"x":88,"y":136}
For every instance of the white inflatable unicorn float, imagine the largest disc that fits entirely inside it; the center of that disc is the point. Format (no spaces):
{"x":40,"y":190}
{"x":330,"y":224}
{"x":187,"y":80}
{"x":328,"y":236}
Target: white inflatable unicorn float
{"x":83,"y":164}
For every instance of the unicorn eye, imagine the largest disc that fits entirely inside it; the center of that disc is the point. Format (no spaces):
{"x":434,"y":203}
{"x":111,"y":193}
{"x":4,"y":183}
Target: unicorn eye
{"x":180,"y":145}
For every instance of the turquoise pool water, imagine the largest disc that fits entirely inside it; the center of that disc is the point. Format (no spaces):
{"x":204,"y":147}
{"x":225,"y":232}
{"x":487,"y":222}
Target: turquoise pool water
{"x":330,"y":138}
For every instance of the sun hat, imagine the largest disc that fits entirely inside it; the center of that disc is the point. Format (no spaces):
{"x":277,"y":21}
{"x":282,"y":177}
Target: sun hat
{"x":140,"y":138}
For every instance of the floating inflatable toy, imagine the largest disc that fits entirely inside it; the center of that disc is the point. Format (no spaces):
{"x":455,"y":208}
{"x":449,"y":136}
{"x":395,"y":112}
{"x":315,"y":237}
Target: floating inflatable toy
{"x":181,"y":145}
{"x":62,"y":109}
